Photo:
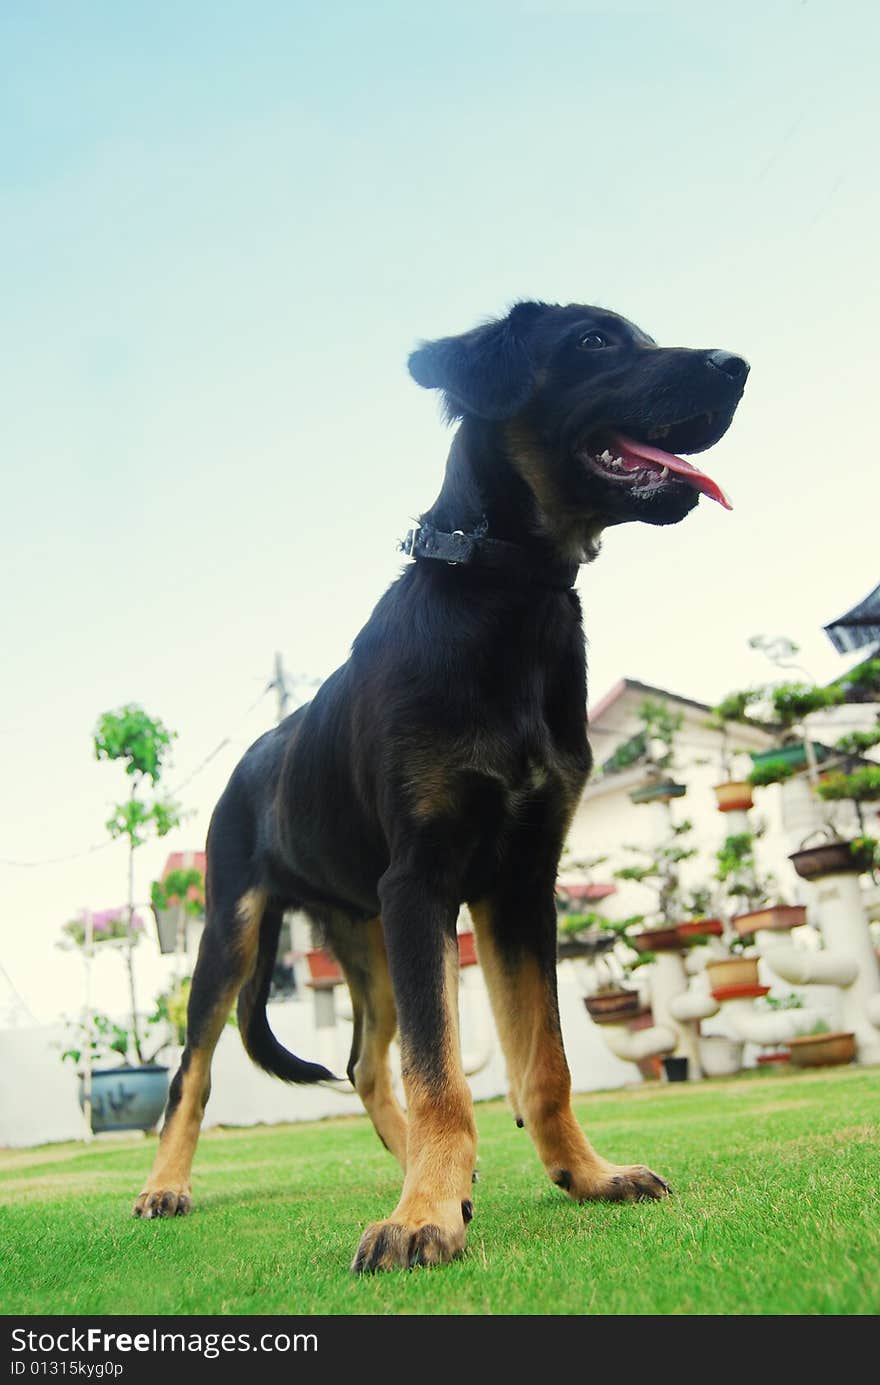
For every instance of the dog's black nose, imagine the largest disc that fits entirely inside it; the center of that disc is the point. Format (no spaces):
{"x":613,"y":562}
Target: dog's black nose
{"x":734,"y":366}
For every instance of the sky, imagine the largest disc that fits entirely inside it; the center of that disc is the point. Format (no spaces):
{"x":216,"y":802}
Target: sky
{"x":223,"y":228}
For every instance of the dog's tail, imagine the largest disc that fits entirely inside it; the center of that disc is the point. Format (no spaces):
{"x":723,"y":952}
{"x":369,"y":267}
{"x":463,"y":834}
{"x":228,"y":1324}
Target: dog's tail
{"x":259,"y":1041}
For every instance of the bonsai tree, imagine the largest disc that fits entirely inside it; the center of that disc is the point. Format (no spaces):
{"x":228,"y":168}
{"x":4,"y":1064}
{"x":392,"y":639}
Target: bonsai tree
{"x":653,"y":744}
{"x":737,"y":870}
{"x":782,"y":708}
{"x":141,"y":743}
{"x":730,"y":710}
{"x":659,"y":870}
{"x":786,"y":707}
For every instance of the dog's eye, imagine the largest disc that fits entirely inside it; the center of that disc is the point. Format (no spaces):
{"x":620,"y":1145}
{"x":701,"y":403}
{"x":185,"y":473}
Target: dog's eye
{"x":590,"y":341}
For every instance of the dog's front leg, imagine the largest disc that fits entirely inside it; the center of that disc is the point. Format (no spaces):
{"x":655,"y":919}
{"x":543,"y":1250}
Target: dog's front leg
{"x":516,"y":943}
{"x":428,"y":1226}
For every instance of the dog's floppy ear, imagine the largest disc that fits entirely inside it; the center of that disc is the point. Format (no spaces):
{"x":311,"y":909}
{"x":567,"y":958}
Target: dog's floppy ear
{"x":489,"y":371}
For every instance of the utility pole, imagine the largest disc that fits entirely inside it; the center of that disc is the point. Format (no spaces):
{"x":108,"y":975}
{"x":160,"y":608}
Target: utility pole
{"x":279,"y":683}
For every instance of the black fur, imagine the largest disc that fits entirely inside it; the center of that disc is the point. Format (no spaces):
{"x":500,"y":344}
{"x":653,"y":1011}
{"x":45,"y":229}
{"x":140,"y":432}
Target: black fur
{"x":442,"y":762}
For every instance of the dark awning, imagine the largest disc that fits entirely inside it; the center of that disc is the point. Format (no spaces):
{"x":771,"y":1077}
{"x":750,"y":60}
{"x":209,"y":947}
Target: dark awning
{"x":858,"y":627}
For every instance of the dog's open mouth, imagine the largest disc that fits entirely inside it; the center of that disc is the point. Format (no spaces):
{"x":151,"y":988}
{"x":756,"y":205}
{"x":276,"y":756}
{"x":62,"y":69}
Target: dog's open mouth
{"x":645,"y":467}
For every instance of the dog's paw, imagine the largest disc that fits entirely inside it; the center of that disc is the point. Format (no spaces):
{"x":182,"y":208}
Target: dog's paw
{"x":394,"y":1245}
{"x":612,"y":1183}
{"x":163,"y":1202}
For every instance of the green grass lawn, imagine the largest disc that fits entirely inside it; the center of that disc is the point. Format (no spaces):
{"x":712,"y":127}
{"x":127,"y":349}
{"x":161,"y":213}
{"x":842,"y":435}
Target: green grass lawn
{"x":776,"y":1211}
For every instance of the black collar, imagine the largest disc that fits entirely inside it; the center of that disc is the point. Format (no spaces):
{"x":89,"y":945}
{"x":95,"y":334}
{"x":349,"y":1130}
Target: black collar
{"x":496,"y":555}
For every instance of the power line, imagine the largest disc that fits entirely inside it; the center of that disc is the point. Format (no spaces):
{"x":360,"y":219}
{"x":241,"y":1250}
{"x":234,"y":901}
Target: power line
{"x":112,"y":841}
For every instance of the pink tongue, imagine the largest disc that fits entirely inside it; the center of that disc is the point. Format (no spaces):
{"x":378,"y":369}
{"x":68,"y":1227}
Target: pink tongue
{"x":636,"y":452}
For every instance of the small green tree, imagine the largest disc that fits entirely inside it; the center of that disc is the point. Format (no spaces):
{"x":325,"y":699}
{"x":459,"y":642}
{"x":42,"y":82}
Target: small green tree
{"x":142,"y":744}
{"x":660,"y":872}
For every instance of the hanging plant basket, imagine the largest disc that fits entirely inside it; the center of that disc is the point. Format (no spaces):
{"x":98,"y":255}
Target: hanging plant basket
{"x":613,"y":1007}
{"x":658,"y":792}
{"x":832,"y":858}
{"x":789,"y":757}
{"x":822,"y":1050}
{"x":732,"y":971}
{"x":656,"y":940}
{"x":736,"y":794}
{"x":777,"y":918}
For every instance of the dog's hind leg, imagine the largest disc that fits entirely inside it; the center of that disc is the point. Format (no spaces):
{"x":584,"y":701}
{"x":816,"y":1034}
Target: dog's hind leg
{"x":516,"y":943}
{"x":226,"y":959}
{"x":360,"y":950}
{"x":429,"y":1225}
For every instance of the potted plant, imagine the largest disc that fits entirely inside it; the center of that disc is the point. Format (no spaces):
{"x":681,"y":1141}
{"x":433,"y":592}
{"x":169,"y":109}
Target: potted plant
{"x":754,"y":893}
{"x":660,"y":728}
{"x":733,"y":794}
{"x":610,"y":999}
{"x":660,"y":872}
{"x":700,"y":925}
{"x":141,"y":744}
{"x":176,"y":900}
{"x":822,"y":1047}
{"x":720,"y":1056}
{"x":586,"y":935}
{"x":117,"y":1093}
{"x":857,"y":782}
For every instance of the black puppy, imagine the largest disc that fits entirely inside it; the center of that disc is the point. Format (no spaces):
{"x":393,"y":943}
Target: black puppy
{"x":442,"y":764}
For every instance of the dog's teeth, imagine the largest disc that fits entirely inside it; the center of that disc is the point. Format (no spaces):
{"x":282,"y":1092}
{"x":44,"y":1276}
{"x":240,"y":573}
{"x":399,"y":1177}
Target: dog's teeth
{"x":664,"y":473}
{"x":607,"y":458}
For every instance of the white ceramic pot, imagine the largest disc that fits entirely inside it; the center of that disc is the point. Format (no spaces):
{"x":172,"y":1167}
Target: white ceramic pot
{"x":719,"y":1056}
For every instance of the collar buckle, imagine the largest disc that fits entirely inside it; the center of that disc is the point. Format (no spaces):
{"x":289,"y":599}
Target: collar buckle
{"x":407,"y":544}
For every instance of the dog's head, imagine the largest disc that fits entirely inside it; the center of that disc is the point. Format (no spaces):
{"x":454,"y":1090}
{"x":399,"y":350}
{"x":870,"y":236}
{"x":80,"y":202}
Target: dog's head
{"x":592,"y":413}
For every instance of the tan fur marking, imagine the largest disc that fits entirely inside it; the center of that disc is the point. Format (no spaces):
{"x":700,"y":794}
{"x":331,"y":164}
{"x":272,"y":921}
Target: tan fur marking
{"x":431,"y":787}
{"x":250,"y":910}
{"x":171,"y":1172}
{"x":372,"y":1073}
{"x":442,"y":1138}
{"x":441,"y":1146}
{"x":575,"y":533}
{"x":527,"y":1018}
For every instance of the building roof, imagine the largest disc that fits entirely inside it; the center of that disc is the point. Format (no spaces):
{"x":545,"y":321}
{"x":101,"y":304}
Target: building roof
{"x":186,"y":860}
{"x":625,"y":685}
{"x":858,"y":626}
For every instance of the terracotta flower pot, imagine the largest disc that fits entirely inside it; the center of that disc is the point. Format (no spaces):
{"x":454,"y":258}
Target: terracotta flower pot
{"x":831,"y":858}
{"x":735,"y":794}
{"x":732,"y":971}
{"x":777,"y":918}
{"x":741,"y":992}
{"x":613,"y":1007}
{"x":699,"y":928}
{"x":324,"y":970}
{"x":467,"y":950}
{"x":822,"y":1050}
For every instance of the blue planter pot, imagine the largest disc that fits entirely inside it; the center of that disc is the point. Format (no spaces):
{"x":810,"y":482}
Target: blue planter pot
{"x":127,"y":1098}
